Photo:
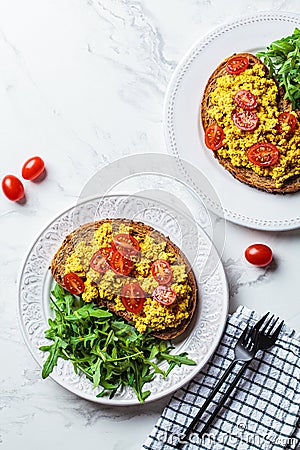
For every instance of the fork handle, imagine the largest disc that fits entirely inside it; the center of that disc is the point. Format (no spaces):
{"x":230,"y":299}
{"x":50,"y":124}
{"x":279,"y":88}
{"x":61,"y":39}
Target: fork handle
{"x":208,"y":400}
{"x":224,"y":398}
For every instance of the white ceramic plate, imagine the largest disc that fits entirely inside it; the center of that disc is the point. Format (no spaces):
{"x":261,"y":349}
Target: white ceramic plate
{"x":206,"y":329}
{"x":184,"y":136}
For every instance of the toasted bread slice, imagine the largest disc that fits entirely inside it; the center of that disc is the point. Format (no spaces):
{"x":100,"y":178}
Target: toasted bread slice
{"x":85,"y":233}
{"x":245,"y":175}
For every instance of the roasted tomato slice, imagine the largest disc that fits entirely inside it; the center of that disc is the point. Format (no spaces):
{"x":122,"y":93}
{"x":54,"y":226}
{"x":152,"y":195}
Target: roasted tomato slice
{"x":214,"y":136}
{"x":127,"y":245}
{"x":286,"y":118}
{"x":164,"y":295}
{"x":74,"y":283}
{"x":245,"y":99}
{"x":133,"y":297}
{"x":120,"y":264}
{"x":245,"y":120}
{"x":263,"y":154}
{"x":237,"y":64}
{"x":100,"y":260}
{"x":161,"y":271}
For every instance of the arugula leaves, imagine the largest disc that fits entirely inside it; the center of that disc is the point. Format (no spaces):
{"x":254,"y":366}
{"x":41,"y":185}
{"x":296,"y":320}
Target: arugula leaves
{"x":110,"y":352}
{"x":282,"y":58}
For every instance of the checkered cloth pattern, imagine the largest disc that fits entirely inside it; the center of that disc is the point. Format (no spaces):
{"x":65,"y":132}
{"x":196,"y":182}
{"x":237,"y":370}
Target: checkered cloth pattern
{"x":261,"y":413}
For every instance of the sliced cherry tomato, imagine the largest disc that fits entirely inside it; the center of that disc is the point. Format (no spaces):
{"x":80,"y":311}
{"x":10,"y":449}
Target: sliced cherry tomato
{"x":74,"y":283}
{"x":286,"y":118}
{"x":126,"y":244}
{"x":214,"y":136}
{"x":120,"y":264}
{"x":13,"y":188}
{"x":245,"y":99}
{"x":133,"y":297}
{"x":164,"y":295}
{"x":33,"y":168}
{"x":263,"y":154}
{"x":161,"y":271}
{"x":245,"y":120}
{"x":259,"y":255}
{"x":100,"y":260}
{"x":237,"y":64}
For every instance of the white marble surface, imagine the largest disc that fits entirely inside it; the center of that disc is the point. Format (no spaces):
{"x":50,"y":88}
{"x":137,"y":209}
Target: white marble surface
{"x":82,"y":83}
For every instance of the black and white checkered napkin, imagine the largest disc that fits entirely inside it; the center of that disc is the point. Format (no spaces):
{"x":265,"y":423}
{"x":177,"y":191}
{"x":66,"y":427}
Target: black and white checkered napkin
{"x":262,"y":412}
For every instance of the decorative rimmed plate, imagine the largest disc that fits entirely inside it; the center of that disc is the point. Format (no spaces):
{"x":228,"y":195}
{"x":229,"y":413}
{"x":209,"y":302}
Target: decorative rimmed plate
{"x":184,"y":136}
{"x":206,"y":329}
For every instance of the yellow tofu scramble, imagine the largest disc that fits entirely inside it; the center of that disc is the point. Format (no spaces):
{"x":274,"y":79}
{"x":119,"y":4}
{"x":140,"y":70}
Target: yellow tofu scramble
{"x":108,"y":284}
{"x":237,"y":142}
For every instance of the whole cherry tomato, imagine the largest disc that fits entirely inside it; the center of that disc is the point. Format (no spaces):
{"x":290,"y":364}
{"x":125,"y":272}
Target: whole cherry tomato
{"x":33,"y":168}
{"x":214,"y":136}
{"x":237,"y":65}
{"x":259,"y":255}
{"x":13,"y":188}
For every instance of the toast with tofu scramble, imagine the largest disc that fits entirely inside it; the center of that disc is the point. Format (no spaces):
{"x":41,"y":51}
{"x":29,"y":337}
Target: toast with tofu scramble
{"x":132,"y":270}
{"x":251,"y":128}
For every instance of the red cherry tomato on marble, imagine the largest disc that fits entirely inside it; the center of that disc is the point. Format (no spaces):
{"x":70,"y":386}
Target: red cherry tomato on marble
{"x":13,"y":188}
{"x":33,"y":168}
{"x":259,"y":255}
